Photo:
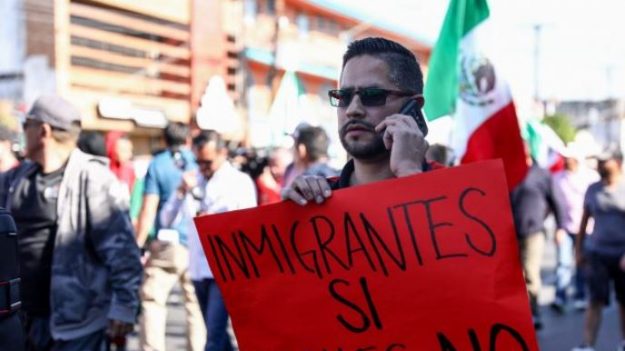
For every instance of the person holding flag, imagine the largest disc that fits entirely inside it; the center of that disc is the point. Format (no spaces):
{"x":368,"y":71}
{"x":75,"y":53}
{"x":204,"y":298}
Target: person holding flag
{"x":464,"y":83}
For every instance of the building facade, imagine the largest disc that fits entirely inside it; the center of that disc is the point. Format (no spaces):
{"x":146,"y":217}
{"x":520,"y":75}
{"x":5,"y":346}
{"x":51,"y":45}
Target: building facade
{"x":604,"y":120}
{"x":133,"y":65}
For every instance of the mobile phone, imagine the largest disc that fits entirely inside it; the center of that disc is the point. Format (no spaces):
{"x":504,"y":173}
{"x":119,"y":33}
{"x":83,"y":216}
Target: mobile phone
{"x":411,"y":108}
{"x":178,"y":158}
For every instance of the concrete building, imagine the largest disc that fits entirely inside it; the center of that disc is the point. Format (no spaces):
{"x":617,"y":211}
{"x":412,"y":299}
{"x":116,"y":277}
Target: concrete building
{"x":133,"y":65}
{"x":604,"y":120}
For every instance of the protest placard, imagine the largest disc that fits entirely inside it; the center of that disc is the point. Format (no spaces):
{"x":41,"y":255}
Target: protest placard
{"x":426,"y":262}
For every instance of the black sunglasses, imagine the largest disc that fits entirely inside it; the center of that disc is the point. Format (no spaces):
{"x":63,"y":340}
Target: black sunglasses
{"x":368,"y":96}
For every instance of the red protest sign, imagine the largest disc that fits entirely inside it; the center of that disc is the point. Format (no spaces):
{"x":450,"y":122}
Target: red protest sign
{"x":427,"y":262}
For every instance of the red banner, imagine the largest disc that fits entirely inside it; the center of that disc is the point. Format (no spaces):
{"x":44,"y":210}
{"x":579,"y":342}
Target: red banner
{"x":427,"y":262}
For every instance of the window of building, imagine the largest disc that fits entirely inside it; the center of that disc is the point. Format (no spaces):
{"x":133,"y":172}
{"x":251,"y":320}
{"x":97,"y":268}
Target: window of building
{"x":322,"y":23}
{"x":302,"y":24}
{"x":271,"y":6}
{"x":325,"y":25}
{"x":323,"y":92}
{"x":250,"y":10}
{"x":266,"y":6}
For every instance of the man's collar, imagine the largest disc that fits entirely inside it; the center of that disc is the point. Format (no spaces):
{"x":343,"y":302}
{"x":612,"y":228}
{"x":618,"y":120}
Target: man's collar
{"x":346,"y":174}
{"x":223,"y":169}
{"x":347,"y":171}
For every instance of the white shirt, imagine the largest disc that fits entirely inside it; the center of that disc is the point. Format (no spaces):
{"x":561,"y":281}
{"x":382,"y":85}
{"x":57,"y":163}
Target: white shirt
{"x":227,"y":190}
{"x":570,"y":188}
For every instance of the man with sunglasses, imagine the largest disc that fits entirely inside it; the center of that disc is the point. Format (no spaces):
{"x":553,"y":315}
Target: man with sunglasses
{"x":378,"y":79}
{"x":79,"y":261}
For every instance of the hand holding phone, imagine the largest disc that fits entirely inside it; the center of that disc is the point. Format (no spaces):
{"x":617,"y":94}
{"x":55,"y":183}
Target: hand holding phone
{"x":411,"y":108}
{"x":407,"y":146}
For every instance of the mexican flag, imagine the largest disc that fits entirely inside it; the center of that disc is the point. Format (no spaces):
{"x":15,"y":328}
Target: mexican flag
{"x":463,"y":83}
{"x":286,"y":110}
{"x":545,"y":145}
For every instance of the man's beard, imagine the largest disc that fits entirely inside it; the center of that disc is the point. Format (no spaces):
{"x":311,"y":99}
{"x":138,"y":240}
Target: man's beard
{"x":32,"y":151}
{"x":371,"y":150}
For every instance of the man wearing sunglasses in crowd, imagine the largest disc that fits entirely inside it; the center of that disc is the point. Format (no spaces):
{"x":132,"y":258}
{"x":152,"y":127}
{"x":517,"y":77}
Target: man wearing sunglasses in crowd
{"x":378,"y":79}
{"x":216,"y":187}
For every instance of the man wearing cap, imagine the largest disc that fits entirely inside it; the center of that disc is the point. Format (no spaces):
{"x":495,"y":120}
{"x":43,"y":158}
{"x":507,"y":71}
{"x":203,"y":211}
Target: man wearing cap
{"x":599,"y":254}
{"x":570,"y":186}
{"x":79,"y":261}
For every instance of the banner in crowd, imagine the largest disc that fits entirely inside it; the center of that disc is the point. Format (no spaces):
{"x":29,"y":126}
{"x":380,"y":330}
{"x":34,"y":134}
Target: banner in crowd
{"x":427,"y":262}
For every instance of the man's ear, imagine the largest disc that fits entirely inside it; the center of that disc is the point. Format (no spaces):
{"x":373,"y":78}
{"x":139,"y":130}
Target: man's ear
{"x":301,"y":151}
{"x":223,"y":151}
{"x":45,"y":131}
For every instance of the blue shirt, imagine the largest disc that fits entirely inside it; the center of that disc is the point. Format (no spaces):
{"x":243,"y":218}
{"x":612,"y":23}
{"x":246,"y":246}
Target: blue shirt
{"x":607,"y":207}
{"x":163,"y":177}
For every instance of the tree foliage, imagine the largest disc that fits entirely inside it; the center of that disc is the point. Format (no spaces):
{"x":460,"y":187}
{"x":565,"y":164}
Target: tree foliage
{"x":562,"y":126}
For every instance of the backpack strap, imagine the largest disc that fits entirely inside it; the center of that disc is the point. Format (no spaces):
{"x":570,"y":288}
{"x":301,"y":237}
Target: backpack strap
{"x":10,"y":296}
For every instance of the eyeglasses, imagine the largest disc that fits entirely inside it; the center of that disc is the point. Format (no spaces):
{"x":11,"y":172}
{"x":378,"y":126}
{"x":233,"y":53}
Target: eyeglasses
{"x":368,"y":96}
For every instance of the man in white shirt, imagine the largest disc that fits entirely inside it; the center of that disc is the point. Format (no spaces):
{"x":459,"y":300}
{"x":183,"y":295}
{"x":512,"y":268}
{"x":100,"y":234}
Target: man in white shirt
{"x":570,"y":186}
{"x":217,"y":187}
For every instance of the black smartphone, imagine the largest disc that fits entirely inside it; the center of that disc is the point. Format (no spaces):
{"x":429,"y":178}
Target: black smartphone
{"x":411,"y":108}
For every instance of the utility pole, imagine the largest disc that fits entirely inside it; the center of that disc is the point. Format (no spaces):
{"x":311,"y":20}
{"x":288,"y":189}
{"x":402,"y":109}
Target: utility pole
{"x":276,"y":7}
{"x":537,"y":32}
{"x":609,"y":71}
{"x":612,"y":118}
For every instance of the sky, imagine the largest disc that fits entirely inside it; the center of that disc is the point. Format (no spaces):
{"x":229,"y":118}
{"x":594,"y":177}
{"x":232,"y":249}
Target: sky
{"x":581,"y":46}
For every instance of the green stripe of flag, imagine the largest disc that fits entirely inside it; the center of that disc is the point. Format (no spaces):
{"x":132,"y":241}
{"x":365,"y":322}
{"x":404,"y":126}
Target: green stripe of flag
{"x":441,"y":89}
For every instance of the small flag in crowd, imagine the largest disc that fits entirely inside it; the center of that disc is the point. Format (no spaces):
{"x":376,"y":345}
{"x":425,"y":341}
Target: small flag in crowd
{"x":545,"y":145}
{"x":463,"y":82}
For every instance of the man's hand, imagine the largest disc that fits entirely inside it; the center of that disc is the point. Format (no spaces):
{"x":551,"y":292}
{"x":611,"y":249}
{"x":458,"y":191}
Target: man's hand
{"x":307,"y":188}
{"x":155,"y":246}
{"x":559,"y":236}
{"x":623,"y":263}
{"x":188,"y":182}
{"x":407,"y":144}
{"x":118,"y":329}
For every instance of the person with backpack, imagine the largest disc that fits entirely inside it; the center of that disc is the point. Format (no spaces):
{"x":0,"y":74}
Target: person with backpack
{"x":80,"y":264}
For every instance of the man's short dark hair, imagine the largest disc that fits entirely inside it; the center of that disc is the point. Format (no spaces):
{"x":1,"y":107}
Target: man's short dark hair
{"x":176,"y":134}
{"x":404,"y":70}
{"x":208,"y":136}
{"x":92,"y":142}
{"x":316,"y":141}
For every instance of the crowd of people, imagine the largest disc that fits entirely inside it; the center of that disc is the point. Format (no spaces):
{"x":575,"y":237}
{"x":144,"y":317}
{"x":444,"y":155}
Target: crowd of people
{"x":101,"y":246}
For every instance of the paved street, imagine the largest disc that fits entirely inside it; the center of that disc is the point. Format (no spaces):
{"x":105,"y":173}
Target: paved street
{"x":560,"y":333}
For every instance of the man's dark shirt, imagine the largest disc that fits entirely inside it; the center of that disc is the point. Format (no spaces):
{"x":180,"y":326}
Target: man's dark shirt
{"x":532,"y":200}
{"x":34,"y":210}
{"x":342,"y":181}
{"x":321,"y":169}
